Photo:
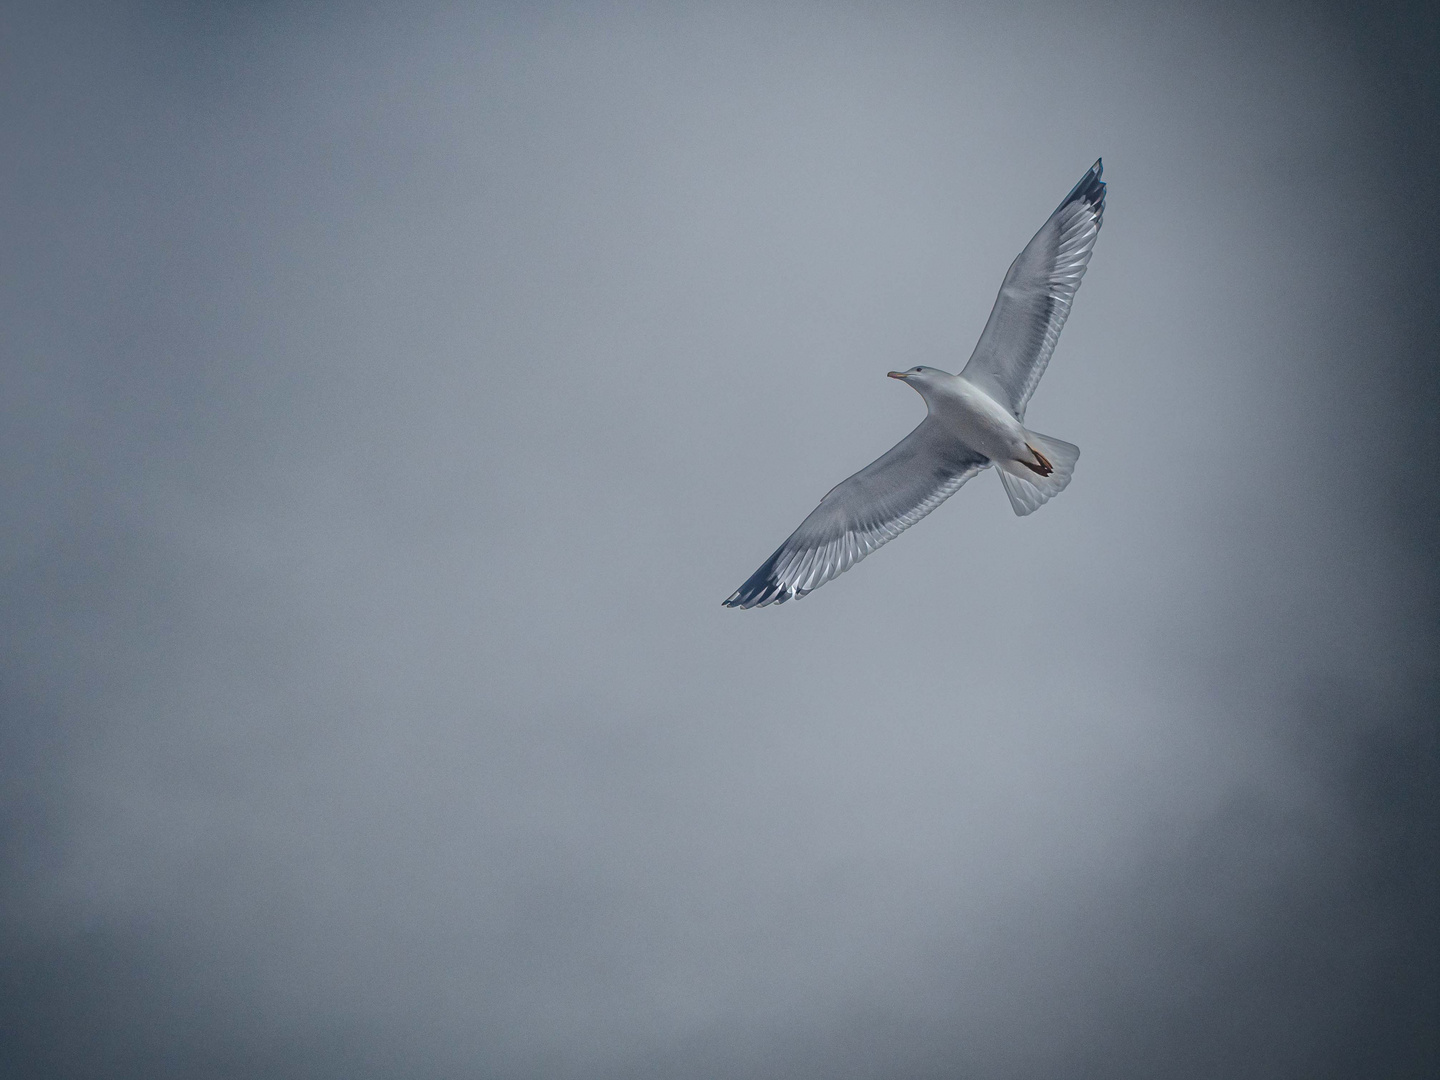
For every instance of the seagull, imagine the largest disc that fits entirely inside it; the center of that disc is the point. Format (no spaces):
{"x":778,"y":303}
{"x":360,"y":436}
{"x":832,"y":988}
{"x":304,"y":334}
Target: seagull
{"x":973,"y":420}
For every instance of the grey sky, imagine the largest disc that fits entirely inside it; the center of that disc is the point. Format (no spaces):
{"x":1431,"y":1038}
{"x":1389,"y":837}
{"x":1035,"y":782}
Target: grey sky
{"x":391,"y":394}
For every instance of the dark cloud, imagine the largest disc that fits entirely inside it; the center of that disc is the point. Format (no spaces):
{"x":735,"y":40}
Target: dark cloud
{"x":391,"y":396}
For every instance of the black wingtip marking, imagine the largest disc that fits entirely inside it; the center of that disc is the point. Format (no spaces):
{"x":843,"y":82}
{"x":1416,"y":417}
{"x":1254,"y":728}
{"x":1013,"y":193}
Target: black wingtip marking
{"x":1090,"y":189}
{"x":760,"y":587}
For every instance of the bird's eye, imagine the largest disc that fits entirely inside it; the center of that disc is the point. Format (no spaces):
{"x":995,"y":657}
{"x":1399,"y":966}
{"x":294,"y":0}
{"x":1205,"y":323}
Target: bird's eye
{"x":917,"y":371}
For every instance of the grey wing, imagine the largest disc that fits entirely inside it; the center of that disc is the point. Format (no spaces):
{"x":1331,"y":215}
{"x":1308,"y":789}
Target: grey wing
{"x":871,"y":508}
{"x":1035,"y":298}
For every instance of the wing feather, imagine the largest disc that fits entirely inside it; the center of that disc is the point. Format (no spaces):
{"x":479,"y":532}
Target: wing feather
{"x":863,"y":513}
{"x":1035,"y":298}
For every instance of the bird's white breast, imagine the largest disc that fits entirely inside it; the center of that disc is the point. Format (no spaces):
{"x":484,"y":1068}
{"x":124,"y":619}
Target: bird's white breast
{"x":979,"y":421}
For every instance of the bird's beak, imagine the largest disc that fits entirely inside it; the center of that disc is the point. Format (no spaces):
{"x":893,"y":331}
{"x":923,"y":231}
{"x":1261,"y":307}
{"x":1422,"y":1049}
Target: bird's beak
{"x":898,"y":374}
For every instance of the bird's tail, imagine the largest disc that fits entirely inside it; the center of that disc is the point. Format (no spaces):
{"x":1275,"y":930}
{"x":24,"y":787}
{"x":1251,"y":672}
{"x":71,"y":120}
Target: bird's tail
{"x":1031,"y":484}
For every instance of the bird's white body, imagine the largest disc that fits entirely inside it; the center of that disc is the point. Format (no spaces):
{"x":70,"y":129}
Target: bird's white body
{"x":964,"y":418}
{"x":975,"y":419}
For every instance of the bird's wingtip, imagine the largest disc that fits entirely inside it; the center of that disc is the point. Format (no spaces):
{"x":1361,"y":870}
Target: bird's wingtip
{"x":1090,"y":189}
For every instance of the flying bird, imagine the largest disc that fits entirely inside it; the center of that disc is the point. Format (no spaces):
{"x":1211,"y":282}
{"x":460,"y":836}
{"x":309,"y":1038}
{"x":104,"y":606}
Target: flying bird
{"x":974,"y":420}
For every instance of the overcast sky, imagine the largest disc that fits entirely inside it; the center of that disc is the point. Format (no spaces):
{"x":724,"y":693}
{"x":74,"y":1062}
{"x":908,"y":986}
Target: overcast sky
{"x":390,"y":394}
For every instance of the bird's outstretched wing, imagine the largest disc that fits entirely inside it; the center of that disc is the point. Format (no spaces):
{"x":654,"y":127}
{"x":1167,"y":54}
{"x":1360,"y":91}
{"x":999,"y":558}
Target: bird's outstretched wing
{"x":1035,"y":298}
{"x":871,"y":508}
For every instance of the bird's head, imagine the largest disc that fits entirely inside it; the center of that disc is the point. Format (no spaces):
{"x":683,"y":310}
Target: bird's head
{"x":921,"y":378}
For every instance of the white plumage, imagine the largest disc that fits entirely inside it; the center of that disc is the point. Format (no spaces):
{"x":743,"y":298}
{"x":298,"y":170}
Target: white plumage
{"x":974,"y":419}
